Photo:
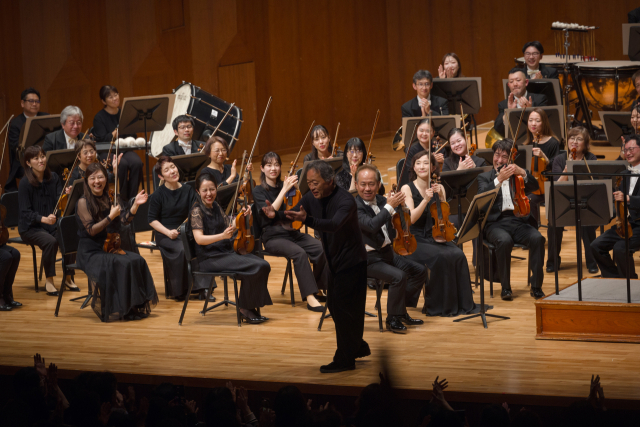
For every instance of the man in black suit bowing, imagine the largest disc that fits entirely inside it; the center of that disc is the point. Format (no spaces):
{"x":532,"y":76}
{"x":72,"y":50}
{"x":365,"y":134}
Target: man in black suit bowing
{"x":617,"y":267}
{"x":424,"y":103}
{"x":30,"y":103}
{"x":503,"y":228}
{"x":71,"y":120}
{"x":184,"y":144}
{"x":405,"y":277}
{"x":518,"y":98}
{"x":533,"y":52}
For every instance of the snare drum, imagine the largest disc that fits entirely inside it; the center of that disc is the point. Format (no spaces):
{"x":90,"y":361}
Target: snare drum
{"x":206,"y":110}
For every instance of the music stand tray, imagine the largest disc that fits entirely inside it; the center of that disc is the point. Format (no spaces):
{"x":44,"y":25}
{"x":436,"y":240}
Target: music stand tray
{"x":336,"y":164}
{"x":596,"y":167}
{"x":554,"y":113}
{"x":463,"y":186}
{"x":523,"y":158}
{"x":36,"y":128}
{"x":547,"y":87}
{"x":77,"y":191}
{"x":190,"y":165}
{"x":463,"y":90}
{"x":225,"y":194}
{"x":616,"y":124}
{"x":58,"y":160}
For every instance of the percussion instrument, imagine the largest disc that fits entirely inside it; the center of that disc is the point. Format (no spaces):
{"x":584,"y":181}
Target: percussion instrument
{"x":207,"y":112}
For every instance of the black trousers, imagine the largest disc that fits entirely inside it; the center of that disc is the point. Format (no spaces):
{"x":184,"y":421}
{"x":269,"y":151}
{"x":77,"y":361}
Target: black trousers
{"x":346,"y":301}
{"x":535,"y":200}
{"x":130,"y":174}
{"x":508,"y":230}
{"x":9,"y":261}
{"x":405,"y":278}
{"x":48,"y":244}
{"x":588,"y":235}
{"x":616,"y":267}
{"x":301,"y":248}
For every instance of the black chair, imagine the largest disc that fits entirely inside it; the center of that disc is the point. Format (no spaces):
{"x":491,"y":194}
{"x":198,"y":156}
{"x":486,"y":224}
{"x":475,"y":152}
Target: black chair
{"x":189,"y":252}
{"x":140,"y":224}
{"x":68,"y":244}
{"x":491,"y":248}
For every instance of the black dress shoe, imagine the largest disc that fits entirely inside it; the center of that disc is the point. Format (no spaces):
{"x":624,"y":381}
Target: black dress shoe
{"x":320,"y":297}
{"x":408,"y":320}
{"x":506,"y":295}
{"x":550,"y":266}
{"x":72,"y":288}
{"x":333,"y":367}
{"x":251,"y":320}
{"x":395,"y":325}
{"x":5,"y":308}
{"x":15,"y":304}
{"x":53,"y":294}
{"x":593,"y":270}
{"x":317,"y":309}
{"x":536,"y":293}
{"x":371,"y":283}
{"x":364,"y":350}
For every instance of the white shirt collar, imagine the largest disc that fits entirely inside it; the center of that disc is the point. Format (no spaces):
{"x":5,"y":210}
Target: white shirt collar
{"x":67,"y":138}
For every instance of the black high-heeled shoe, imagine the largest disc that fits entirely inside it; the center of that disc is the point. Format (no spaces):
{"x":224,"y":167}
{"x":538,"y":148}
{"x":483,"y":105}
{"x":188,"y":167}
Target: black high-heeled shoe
{"x":250,"y":320}
{"x":52,"y":294}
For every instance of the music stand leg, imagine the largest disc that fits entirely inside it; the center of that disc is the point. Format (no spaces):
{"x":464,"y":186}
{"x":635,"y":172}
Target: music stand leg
{"x":146,"y":157}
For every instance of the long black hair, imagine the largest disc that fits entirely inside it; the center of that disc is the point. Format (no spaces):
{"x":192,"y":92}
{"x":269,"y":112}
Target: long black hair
{"x":315,"y":131}
{"x":267,"y":158}
{"x":96,"y":204}
{"x":353,"y":143}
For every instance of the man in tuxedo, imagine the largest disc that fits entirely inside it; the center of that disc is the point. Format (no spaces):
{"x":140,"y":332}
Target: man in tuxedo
{"x":30,"y":103}
{"x":503,"y":228}
{"x":518,"y":98}
{"x":184,"y":144}
{"x":66,"y":138}
{"x":424,"y":103}
{"x":533,"y":52}
{"x":405,"y":277}
{"x":617,"y":267}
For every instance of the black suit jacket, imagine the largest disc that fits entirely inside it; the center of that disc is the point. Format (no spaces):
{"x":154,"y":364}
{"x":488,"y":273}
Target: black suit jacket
{"x":634,"y":201}
{"x":538,"y":99}
{"x":485,"y":183}
{"x":634,"y":16}
{"x":57,"y":141}
{"x":174,"y":149}
{"x":547,"y":72}
{"x":439,"y":107}
{"x":371,"y":224}
{"x":451,"y":162}
{"x":14,"y":140}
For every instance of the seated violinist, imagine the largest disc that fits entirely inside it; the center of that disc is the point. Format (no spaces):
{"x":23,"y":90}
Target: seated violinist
{"x":459,"y":159}
{"x":518,"y":97}
{"x":405,"y":277}
{"x":64,"y":139}
{"x":322,"y":145}
{"x":87,"y":154}
{"x":617,"y":267}
{"x":503,"y":228}
{"x":424,"y":103}
{"x":184,"y":144}
{"x":532,"y":52}
{"x":424,"y":134}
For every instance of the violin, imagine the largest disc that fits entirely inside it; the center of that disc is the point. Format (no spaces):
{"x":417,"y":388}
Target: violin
{"x":471,"y":146}
{"x":620,"y":220}
{"x":443,"y":230}
{"x":112,"y":243}
{"x":107,"y":160}
{"x":369,"y":159}
{"x":404,"y":243}
{"x":200,"y":147}
{"x":293,"y":196}
{"x":538,"y":165}
{"x":244,"y":242}
{"x":521,"y":207}
{"x":573,"y":153}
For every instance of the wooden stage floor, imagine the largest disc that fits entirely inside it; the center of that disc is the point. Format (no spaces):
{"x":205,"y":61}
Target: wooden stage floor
{"x":504,"y":359}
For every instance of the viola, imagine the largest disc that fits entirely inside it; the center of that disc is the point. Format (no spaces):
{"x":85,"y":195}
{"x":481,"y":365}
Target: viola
{"x":620,"y":220}
{"x":293,"y":196}
{"x":404,"y":243}
{"x":443,"y":230}
{"x":538,"y":165}
{"x":574,"y":153}
{"x":521,"y":207}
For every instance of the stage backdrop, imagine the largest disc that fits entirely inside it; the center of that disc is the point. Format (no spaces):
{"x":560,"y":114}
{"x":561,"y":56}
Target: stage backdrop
{"x":326,"y":60}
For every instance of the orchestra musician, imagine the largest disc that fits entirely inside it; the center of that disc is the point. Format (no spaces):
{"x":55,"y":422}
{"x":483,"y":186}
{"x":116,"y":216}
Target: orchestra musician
{"x":322,"y":146}
{"x":353,"y":156}
{"x":577,"y":138}
{"x":532,"y":56}
{"x":450,"y":67}
{"x":37,"y":198}
{"x":610,"y":240}
{"x":217,"y":149}
{"x":105,"y":122}
{"x":424,"y":103}
{"x":503,"y":228}
{"x":123,"y":286}
{"x":404,"y":276}
{"x":518,"y":97}
{"x":424,"y":134}
{"x":459,"y":158}
{"x":71,"y":119}
{"x":184,"y":144}
{"x":9,"y":262}
{"x":448,"y":292}
{"x":87,"y":154}
{"x":213,"y":233}
{"x":332,"y":211}
{"x":30,"y":103}
{"x":281,"y":239}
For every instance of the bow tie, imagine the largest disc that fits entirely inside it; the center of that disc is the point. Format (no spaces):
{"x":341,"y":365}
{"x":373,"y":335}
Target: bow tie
{"x":72,"y":141}
{"x":633,"y":169}
{"x":531,"y":72}
{"x":184,"y":145}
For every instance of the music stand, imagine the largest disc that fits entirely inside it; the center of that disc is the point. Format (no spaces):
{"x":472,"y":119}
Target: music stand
{"x":596,"y":167}
{"x":547,"y":87}
{"x":225,"y":194}
{"x":472,"y":228}
{"x":463,"y":90}
{"x":631,"y":41}
{"x":523,"y":158}
{"x":36,"y":128}
{"x":616,"y":124}
{"x":77,"y":191}
{"x":58,"y":160}
{"x":336,"y":164}
{"x":146,"y":114}
{"x":441,"y":127}
{"x":463,"y":186}
{"x":190,"y":165}
{"x":554,"y":113}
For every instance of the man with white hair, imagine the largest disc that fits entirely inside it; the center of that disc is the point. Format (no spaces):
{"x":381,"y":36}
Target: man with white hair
{"x":66,"y":138}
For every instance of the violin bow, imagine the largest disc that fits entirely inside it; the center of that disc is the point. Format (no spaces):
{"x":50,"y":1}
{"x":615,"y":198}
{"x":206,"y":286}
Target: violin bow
{"x":55,"y":211}
{"x":442,"y":146}
{"x":293,"y":164}
{"x":235,"y":197}
{"x":429,"y":151}
{"x":406,"y":154}
{"x":335,"y":141}
{"x":464,"y":128}
{"x":257,"y":135}
{"x":224,"y":117}
{"x":4,"y":145}
{"x":113,"y":140}
{"x":375,"y":123}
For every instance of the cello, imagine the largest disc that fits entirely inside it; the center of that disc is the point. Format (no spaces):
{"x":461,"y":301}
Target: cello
{"x":293,"y":196}
{"x":538,"y":165}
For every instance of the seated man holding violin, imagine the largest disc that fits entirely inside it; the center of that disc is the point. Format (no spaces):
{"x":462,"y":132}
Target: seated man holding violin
{"x":184,"y":144}
{"x":405,"y":277}
{"x":509,"y":220}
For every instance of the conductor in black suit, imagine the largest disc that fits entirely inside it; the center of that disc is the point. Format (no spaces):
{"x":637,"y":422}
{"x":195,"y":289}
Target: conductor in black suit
{"x":405,"y":277}
{"x":518,"y":98}
{"x":30,"y":103}
{"x":184,"y":144}
{"x":503,"y":228}
{"x":424,"y":103}
{"x":533,"y":52}
{"x":66,"y":138}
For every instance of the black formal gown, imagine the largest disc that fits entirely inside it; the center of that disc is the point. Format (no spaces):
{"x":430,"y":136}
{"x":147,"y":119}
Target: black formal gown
{"x":550,"y":149}
{"x":221,"y":177}
{"x":121,"y":282}
{"x":449,"y":289}
{"x":220,"y":257}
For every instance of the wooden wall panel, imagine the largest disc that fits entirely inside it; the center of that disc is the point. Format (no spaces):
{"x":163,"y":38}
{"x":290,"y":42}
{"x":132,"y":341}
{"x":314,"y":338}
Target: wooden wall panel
{"x":238,"y":84}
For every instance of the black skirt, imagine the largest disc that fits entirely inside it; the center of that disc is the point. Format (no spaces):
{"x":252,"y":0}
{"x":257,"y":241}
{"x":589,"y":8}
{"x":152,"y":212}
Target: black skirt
{"x":174,"y":265}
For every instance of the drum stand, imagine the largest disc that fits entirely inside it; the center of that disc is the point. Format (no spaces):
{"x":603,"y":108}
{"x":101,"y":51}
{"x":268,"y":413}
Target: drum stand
{"x":567,"y":87}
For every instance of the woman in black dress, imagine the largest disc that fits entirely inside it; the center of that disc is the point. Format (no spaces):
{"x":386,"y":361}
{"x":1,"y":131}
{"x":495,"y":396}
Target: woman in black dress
{"x":217,"y":149}
{"x":87,"y":154}
{"x":38,"y":195}
{"x":123,"y":286}
{"x":449,"y":290}
{"x":9,"y":261}
{"x":459,"y":158}
{"x":322,"y":145}
{"x":169,"y":207}
{"x":214,"y":233}
{"x":105,"y":123}
{"x":279,"y":238}
{"x":352,"y":158}
{"x":424,"y":133}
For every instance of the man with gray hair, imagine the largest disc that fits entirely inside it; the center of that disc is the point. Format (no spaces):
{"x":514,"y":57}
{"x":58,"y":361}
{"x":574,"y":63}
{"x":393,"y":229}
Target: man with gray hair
{"x":331,"y":211}
{"x":71,"y":120}
{"x":424,"y":103}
